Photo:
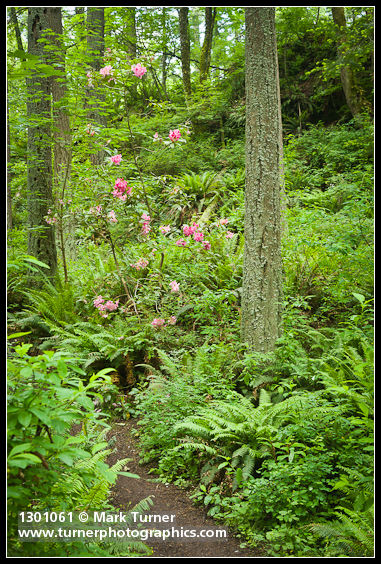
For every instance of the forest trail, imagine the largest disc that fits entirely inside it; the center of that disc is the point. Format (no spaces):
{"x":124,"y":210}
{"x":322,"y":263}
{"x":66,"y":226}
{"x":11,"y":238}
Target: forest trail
{"x":168,"y":499}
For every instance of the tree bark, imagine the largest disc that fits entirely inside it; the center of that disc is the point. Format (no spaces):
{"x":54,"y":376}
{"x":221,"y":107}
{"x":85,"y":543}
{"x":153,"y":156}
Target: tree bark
{"x":61,"y":119}
{"x":185,"y":51}
{"x":95,"y":53}
{"x":206,"y":49}
{"x":41,"y":239}
{"x":262,"y":270}
{"x":352,"y":94}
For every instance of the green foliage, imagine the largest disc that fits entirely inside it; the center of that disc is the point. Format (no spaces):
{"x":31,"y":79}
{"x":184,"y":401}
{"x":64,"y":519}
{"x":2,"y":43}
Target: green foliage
{"x":49,"y":467}
{"x":280,"y":446}
{"x":350,"y":535}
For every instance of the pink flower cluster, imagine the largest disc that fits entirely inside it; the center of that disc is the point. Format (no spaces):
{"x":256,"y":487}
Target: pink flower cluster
{"x":174,"y":134}
{"x":107,"y":71}
{"x":146,"y":228}
{"x":190,"y":230}
{"x":181,"y":243}
{"x":121,"y":189}
{"x":138,"y":70}
{"x":164,"y":229}
{"x":174,"y":286}
{"x":198,"y":236}
{"x":89,"y":77}
{"x":116,"y":159}
{"x":96,"y":210}
{"x":159,"y":322}
{"x":50,"y":219}
{"x":103,"y":306}
{"x":140,"y":264}
{"x":112,"y":217}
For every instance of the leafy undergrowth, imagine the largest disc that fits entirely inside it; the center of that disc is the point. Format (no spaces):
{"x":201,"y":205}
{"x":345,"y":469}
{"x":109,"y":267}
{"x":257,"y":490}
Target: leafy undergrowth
{"x":280,"y":446}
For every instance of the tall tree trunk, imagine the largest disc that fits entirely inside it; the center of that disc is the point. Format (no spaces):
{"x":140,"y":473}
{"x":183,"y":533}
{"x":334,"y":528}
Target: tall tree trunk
{"x":353,"y":96}
{"x":61,"y":132}
{"x":262,"y":270}
{"x":61,"y":119}
{"x":95,"y":50}
{"x":185,"y":51}
{"x":206,"y":49}
{"x":41,"y":241}
{"x":130,"y":32}
{"x":20,"y":47}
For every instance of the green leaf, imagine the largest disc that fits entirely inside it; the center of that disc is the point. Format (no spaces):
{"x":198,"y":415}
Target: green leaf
{"x":19,"y":448}
{"x":24,"y":418}
{"x":41,"y":415}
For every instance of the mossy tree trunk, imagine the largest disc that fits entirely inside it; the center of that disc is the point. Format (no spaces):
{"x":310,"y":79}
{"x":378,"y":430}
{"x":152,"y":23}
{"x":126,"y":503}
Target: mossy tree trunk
{"x":206,"y":49}
{"x":262,"y":272}
{"x":95,"y":52}
{"x":353,"y":94}
{"x":41,"y":238}
{"x":185,"y":51}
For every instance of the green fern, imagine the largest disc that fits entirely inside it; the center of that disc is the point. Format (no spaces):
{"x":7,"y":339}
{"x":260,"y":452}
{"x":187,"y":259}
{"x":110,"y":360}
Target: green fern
{"x":244,"y":433}
{"x":352,"y":534}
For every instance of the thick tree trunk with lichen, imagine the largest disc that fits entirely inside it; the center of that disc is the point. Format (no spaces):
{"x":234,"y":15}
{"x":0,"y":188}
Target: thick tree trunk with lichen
{"x":262,"y":272}
{"x":206,"y":49}
{"x":41,"y":240}
{"x":95,"y":52}
{"x":185,"y":50}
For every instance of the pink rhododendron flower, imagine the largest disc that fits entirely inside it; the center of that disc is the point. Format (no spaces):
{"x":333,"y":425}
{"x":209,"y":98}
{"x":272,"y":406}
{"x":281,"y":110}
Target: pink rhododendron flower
{"x":174,"y":286}
{"x":181,"y":243}
{"x":106,"y":71}
{"x":89,"y":79}
{"x":198,"y":236}
{"x":51,"y":220}
{"x":140,"y":264}
{"x":103,"y":307}
{"x":146,"y":228}
{"x":158,"y":322}
{"x":138,"y":70}
{"x":172,"y":320}
{"x":121,"y":189}
{"x":229,"y":235}
{"x":112,"y":217}
{"x":206,"y":245}
{"x":145,"y":217}
{"x":97,"y":210}
{"x":190,"y":230}
{"x":111,"y":306}
{"x":98,"y":301}
{"x":165,"y":229}
{"x":174,"y":135}
{"x":116,"y":159}
{"x":223,"y":221}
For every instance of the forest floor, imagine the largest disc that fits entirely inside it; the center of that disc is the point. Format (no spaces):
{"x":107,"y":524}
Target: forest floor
{"x":168,"y":499}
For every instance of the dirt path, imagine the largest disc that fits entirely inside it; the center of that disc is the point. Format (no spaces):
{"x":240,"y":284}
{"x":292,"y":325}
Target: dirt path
{"x":168,"y":500}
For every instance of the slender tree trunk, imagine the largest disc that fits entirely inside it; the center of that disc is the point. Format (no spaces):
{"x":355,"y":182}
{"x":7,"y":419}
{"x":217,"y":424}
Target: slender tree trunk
{"x":20,"y":47}
{"x":353,"y":96}
{"x":262,"y":271}
{"x":41,"y":241}
{"x":185,"y":51}
{"x":61,"y":130}
{"x":95,"y":49}
{"x":206,"y":49}
{"x":61,"y":119}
